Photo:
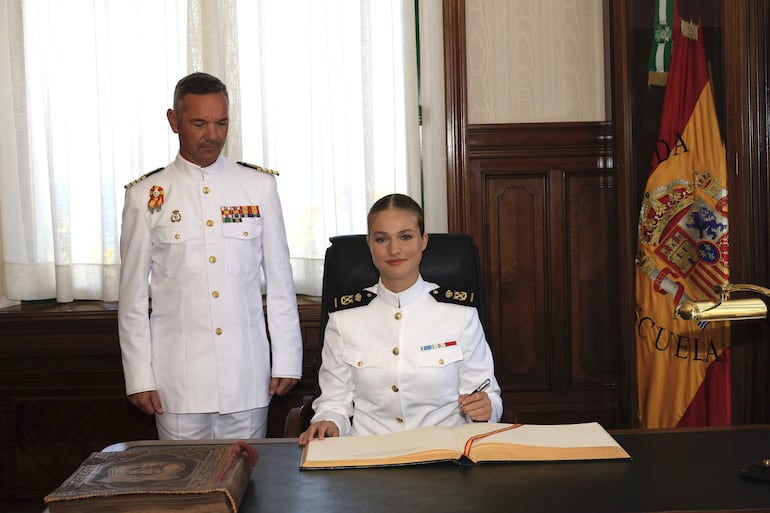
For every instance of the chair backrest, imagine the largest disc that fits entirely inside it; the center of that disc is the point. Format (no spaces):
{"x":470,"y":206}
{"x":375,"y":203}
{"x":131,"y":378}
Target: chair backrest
{"x":450,"y":260}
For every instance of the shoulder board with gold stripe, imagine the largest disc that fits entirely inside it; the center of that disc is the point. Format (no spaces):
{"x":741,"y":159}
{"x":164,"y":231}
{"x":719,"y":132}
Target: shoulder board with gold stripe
{"x":457,"y":297}
{"x":134,"y":182}
{"x":346,"y":301}
{"x":259,"y":168}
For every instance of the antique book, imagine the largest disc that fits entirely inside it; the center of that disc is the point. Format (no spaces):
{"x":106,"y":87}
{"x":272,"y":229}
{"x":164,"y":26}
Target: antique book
{"x":467,"y":444}
{"x":209,"y":478}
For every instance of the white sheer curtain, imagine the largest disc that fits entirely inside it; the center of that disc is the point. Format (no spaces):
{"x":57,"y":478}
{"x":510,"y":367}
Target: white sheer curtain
{"x":328,"y":104}
{"x":320,"y":91}
{"x":84,"y":88}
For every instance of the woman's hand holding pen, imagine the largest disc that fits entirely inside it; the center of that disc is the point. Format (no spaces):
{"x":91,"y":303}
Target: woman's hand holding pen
{"x":476,"y":406}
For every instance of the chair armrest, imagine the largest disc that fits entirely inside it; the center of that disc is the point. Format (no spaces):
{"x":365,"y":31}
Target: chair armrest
{"x":298,"y":418}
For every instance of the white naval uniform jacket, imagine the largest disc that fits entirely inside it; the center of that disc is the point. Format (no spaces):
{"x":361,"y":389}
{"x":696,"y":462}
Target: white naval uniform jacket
{"x":204,"y":347}
{"x":401,"y":361}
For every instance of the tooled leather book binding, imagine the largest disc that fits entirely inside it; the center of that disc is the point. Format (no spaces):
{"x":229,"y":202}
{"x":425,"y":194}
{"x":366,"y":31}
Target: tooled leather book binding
{"x":203,"y":477}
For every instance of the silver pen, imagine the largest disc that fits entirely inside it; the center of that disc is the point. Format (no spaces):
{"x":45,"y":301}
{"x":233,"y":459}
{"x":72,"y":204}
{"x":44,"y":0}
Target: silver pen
{"x":479,"y":388}
{"x":482,"y":386}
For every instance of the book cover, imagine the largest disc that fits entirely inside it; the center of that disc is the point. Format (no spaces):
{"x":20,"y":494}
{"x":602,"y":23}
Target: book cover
{"x":470,"y":443}
{"x":194,"y":478}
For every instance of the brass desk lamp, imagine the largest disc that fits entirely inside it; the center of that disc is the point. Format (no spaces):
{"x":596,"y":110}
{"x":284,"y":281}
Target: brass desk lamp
{"x":726,"y":309}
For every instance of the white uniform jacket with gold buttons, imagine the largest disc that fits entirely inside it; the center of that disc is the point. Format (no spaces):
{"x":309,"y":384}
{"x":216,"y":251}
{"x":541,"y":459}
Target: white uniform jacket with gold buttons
{"x":401,"y":361}
{"x":204,"y":347}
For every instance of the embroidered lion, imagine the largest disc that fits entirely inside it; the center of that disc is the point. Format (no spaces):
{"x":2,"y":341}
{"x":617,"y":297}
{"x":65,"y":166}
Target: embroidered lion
{"x":704,"y":220}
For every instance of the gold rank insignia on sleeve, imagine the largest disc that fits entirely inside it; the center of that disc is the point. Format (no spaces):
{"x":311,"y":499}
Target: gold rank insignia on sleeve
{"x":259,"y":168}
{"x":346,"y":301}
{"x":458,"y":297}
{"x":134,"y":182}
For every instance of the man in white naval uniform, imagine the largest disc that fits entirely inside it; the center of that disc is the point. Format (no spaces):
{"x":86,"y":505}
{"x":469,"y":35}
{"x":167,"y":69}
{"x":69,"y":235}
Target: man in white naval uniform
{"x":201,"y":228}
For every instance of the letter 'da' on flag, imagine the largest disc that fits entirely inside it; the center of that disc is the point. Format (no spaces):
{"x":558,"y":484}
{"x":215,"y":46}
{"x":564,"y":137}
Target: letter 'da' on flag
{"x":683,"y":367}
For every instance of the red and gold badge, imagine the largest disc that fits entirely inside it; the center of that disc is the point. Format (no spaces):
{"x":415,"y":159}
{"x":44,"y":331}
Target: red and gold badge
{"x":156,"y":197}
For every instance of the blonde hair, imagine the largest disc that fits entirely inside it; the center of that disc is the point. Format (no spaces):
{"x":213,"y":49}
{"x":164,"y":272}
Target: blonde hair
{"x":401,"y":202}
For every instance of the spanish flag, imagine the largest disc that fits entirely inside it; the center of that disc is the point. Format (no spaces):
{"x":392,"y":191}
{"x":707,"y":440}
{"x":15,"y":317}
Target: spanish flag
{"x":683,"y":367}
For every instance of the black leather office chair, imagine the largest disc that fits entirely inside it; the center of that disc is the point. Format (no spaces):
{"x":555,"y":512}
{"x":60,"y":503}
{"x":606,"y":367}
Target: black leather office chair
{"x":450,"y":260}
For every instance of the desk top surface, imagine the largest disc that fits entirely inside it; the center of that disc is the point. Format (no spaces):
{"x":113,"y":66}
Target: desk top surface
{"x":686,"y":470}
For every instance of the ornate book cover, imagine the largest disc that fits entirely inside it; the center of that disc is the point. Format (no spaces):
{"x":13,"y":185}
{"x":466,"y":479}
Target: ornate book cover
{"x":194,"y":478}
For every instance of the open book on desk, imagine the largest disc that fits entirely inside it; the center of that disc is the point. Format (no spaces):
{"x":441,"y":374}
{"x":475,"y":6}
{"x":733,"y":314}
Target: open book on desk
{"x":470,"y":443}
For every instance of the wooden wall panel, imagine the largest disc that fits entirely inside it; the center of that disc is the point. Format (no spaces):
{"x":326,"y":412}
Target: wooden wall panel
{"x":543,"y":210}
{"x":517,"y":303}
{"x":592,"y":232}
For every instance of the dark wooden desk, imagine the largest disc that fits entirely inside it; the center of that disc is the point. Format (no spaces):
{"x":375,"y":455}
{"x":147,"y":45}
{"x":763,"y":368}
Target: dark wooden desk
{"x":683,"y":470}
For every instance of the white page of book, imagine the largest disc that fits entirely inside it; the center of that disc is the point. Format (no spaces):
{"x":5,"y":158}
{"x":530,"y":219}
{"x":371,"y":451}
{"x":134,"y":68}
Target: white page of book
{"x":589,"y":434}
{"x":383,"y":446}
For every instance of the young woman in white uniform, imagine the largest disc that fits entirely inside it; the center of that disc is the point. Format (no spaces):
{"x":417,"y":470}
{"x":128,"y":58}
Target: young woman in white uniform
{"x":398,"y":357}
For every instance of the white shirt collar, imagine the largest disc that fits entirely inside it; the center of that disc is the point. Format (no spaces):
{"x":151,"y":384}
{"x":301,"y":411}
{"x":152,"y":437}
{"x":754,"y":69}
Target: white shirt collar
{"x":406,"y":297}
{"x":195,"y":170}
